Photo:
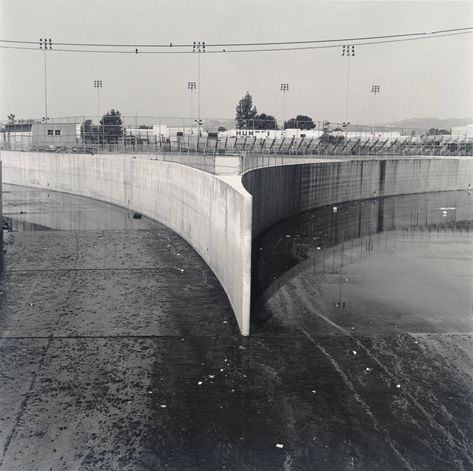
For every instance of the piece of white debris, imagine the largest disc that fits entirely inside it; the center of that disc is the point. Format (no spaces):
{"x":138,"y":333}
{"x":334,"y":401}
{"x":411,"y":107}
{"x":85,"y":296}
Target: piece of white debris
{"x":313,"y":391}
{"x":211,"y":376}
{"x":398,"y":386}
{"x":163,"y":406}
{"x":221,"y":369}
{"x":31,"y":304}
{"x":182,"y":270}
{"x":225,"y":322}
{"x":354,"y":352}
{"x":368,"y":369}
{"x":150,"y":392}
{"x":199,"y":383}
{"x":318,"y":248}
{"x":279,"y":445}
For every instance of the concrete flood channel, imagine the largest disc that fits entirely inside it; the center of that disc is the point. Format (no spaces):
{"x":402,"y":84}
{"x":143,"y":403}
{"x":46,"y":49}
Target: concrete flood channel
{"x":120,"y":350}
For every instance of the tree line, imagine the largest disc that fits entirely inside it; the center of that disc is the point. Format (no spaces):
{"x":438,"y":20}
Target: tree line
{"x":247,"y":117}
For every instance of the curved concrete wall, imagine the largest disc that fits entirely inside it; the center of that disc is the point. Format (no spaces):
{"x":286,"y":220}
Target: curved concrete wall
{"x":212,"y":213}
{"x":281,"y":192}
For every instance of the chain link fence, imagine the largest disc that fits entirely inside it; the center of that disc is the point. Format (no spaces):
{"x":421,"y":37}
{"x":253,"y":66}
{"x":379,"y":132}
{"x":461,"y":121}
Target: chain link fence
{"x":198,"y":144}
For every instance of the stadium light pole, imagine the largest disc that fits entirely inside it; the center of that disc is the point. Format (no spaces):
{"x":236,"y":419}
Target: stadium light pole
{"x":375,"y":89}
{"x":98,"y":85}
{"x":45,"y":45}
{"x":198,"y":47}
{"x":284,"y":88}
{"x":191,"y":86}
{"x":348,"y":51}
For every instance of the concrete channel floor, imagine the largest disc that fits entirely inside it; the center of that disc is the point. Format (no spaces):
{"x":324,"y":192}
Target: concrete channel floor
{"x":120,"y":352}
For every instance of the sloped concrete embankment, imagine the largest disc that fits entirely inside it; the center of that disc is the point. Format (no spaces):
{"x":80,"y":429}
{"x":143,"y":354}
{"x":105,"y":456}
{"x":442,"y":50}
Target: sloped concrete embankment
{"x":281,"y":192}
{"x":212,"y":213}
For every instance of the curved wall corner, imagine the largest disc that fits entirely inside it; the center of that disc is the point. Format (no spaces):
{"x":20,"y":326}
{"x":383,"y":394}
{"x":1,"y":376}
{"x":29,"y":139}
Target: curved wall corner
{"x":283,"y":191}
{"x":213,"y":214}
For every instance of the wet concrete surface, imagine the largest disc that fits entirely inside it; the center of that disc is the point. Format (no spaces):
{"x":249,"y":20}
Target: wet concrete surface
{"x":120,"y":351}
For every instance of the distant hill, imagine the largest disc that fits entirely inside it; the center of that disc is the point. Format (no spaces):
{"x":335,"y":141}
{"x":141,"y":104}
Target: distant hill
{"x":427,"y":123}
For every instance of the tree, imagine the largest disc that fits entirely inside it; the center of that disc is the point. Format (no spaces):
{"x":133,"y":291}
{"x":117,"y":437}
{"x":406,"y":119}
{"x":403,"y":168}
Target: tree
{"x":89,"y":132}
{"x":300,"y":122}
{"x":111,"y":128}
{"x":438,"y":132}
{"x":245,"y":112}
{"x":265,"y":121}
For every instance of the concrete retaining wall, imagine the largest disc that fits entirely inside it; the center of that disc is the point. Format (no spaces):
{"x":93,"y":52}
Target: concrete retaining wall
{"x":212,"y":213}
{"x":281,"y":192}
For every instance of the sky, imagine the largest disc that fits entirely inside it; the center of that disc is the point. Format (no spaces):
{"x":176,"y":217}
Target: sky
{"x":427,"y":78}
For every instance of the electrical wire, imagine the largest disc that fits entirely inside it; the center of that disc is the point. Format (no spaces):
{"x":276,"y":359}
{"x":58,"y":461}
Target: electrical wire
{"x":250,"y":44}
{"x":136,"y":51}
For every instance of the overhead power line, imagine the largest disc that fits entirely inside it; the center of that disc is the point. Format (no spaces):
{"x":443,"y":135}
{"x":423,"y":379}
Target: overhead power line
{"x":249,"y":44}
{"x":240,"y":47}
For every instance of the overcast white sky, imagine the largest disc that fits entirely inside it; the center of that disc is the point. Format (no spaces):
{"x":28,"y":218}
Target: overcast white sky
{"x":426,"y":78}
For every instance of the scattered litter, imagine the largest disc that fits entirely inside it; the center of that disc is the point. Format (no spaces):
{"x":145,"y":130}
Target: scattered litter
{"x":288,"y":235}
{"x":354,"y":352}
{"x":31,"y":304}
{"x":352,"y":328}
{"x":150,"y":392}
{"x":233,"y":390}
{"x":318,"y":248}
{"x":279,"y":445}
{"x":182,"y":340}
{"x":416,"y":341}
{"x":225,"y":322}
{"x":181,"y":270}
{"x":225,"y":360}
{"x":221,"y":369}
{"x":368,"y":369}
{"x":334,"y":209}
{"x":178,"y":254}
{"x":163,"y":406}
{"x":398,"y":386}
{"x":211,"y":376}
{"x":200,"y":383}
{"x":241,"y":347}
{"x":129,"y":402}
{"x":313,"y":391}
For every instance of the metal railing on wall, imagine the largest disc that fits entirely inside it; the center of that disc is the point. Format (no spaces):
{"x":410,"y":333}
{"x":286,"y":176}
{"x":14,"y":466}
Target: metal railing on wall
{"x":182,"y":140}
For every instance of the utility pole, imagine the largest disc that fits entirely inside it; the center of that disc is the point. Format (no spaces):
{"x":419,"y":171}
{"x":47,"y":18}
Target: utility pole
{"x":348,"y":51}
{"x":198,"y":47}
{"x":284,"y":88}
{"x":98,"y":85}
{"x":191,"y":86}
{"x":45,"y":45}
